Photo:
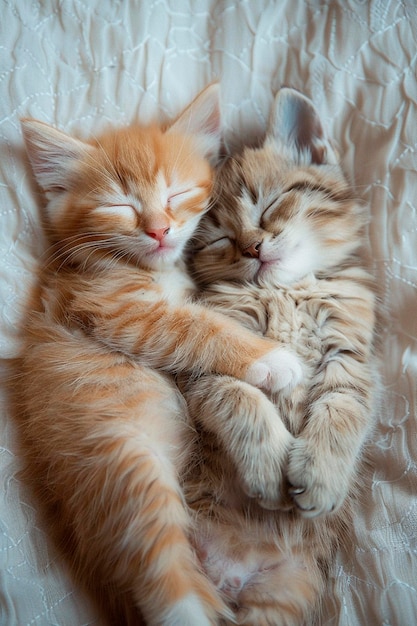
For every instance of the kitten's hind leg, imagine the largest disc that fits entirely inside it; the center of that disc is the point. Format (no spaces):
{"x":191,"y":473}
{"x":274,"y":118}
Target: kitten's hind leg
{"x":249,"y":428}
{"x":266,"y":584}
{"x":280,"y":593}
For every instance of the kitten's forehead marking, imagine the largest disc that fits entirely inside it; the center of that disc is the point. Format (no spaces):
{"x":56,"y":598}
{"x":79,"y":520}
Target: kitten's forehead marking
{"x":162,"y":189}
{"x":253,"y":206}
{"x":247,"y":202}
{"x":151,"y":194}
{"x":161,"y":192}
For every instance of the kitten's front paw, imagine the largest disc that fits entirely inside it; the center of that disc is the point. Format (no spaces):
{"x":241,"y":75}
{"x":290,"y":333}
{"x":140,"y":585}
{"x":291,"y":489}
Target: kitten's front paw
{"x":263,"y":473}
{"x":276,"y":370}
{"x":320,"y":481}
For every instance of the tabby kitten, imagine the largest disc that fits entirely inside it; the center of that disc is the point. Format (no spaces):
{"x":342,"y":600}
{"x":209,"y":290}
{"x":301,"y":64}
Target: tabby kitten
{"x":280,"y":253}
{"x":104,"y":428}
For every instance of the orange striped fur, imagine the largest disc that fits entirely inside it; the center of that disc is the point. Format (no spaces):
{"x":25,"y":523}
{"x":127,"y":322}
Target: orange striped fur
{"x":104,"y":428}
{"x":280,"y":251}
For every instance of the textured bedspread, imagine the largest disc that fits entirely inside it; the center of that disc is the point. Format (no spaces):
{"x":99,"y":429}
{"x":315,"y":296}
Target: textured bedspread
{"x":80,"y":64}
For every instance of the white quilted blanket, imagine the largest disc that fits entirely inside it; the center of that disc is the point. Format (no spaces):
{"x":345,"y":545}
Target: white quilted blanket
{"x":79,"y":64}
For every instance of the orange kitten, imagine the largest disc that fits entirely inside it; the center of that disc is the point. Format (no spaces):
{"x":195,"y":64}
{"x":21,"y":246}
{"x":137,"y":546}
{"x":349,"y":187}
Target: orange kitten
{"x":279,"y":252}
{"x":105,"y":431}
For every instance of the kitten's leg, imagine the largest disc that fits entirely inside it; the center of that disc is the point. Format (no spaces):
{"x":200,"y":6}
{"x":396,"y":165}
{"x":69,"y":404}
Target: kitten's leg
{"x":250,"y":430}
{"x":266,"y":584}
{"x":190,"y":338}
{"x":283,"y":594}
{"x":324,"y":457}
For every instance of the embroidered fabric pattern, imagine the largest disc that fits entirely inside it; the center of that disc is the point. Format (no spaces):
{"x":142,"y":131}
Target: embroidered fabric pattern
{"x":79,"y":65}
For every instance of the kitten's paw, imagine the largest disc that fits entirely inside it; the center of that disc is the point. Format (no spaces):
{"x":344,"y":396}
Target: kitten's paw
{"x":319,"y":481}
{"x":262,"y":474}
{"x":276,"y":370}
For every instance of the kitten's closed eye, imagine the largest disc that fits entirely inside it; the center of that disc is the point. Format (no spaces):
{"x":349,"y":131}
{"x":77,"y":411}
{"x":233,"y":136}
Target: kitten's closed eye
{"x":222,"y":242}
{"x":116,"y":210}
{"x":270,"y":206}
{"x":184,"y":197}
{"x":178,"y":195}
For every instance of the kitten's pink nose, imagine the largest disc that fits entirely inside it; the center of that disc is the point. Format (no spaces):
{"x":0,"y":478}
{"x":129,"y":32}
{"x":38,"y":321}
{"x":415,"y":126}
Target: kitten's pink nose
{"x":158,"y":233}
{"x":253,"y":250}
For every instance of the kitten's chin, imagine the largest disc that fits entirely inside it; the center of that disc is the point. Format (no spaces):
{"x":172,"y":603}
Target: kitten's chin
{"x":162,"y":257}
{"x":275,"y":273}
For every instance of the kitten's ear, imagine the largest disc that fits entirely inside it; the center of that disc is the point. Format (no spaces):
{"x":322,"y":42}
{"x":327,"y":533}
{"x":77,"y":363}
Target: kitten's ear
{"x":52,"y":153}
{"x":295,"y":123}
{"x":202,"y":120}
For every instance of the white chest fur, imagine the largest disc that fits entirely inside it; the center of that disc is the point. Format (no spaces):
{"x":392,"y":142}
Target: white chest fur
{"x":175,"y":285}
